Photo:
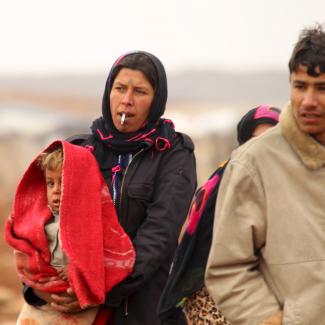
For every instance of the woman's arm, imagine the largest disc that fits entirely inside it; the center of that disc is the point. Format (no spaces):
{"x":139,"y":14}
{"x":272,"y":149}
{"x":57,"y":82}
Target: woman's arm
{"x":65,"y":302}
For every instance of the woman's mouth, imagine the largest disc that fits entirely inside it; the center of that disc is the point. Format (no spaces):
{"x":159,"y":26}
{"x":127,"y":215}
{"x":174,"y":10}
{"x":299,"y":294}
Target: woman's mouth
{"x":122,"y":118}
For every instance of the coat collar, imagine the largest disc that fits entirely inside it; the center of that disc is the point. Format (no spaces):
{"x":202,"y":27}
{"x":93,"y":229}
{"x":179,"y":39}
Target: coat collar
{"x":311,"y":152}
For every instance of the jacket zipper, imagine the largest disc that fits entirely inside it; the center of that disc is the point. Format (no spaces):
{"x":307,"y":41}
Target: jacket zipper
{"x":126,"y":311}
{"x":122,"y":185}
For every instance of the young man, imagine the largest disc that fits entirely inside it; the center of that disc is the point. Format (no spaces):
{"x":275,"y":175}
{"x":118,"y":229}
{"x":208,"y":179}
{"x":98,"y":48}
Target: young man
{"x":267,"y":259}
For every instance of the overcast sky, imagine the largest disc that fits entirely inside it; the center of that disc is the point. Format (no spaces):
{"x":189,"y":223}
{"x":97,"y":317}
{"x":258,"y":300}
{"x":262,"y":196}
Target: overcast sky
{"x":76,"y":36}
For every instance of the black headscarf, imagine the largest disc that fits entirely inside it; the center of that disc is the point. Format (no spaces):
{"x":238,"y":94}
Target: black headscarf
{"x":262,"y":114}
{"x":157,"y":133}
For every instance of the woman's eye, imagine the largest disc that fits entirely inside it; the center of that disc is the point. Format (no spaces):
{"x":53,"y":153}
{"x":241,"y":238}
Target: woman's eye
{"x":119,"y":88}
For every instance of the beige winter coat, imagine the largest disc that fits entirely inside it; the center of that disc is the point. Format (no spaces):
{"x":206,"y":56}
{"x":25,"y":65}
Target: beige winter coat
{"x":268,"y":249}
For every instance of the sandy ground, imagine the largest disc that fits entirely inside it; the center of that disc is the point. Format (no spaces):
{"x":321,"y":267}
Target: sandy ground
{"x":10,"y":287}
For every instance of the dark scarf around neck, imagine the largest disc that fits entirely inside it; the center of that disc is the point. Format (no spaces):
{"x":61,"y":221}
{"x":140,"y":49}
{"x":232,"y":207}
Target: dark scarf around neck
{"x":156,"y":134}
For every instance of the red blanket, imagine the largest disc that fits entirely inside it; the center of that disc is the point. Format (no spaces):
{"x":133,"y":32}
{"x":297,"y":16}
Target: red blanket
{"x":100,"y":253}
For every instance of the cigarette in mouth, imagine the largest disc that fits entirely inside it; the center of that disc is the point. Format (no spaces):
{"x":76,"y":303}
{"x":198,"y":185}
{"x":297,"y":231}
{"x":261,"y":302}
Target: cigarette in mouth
{"x":123,"y":119}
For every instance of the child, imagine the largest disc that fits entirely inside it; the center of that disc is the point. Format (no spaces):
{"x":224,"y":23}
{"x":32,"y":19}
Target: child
{"x":51,"y":164}
{"x":65,"y":233}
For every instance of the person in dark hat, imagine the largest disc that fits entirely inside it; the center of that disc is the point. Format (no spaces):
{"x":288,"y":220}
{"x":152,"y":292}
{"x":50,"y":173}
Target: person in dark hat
{"x":150,"y":170}
{"x":185,"y":289}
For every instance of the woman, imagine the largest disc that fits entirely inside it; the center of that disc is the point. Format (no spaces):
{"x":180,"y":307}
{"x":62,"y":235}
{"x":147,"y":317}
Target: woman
{"x":150,"y":170}
{"x":185,"y":289}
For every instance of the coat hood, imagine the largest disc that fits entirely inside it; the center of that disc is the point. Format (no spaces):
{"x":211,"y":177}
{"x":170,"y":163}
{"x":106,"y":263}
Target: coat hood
{"x":161,"y":92}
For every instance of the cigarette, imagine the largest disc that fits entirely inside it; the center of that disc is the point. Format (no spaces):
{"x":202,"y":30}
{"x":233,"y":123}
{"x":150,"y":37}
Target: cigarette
{"x":123,"y":119}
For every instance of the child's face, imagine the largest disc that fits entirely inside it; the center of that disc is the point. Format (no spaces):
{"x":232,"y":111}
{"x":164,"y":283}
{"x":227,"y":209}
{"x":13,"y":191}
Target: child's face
{"x":53,"y":186}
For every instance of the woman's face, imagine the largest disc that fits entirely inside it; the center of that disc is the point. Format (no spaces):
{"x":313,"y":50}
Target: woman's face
{"x":131,"y":95}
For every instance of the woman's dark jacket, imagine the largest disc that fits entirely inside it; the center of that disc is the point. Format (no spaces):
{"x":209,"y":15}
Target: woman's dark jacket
{"x":156,"y":193}
{"x":155,"y":196}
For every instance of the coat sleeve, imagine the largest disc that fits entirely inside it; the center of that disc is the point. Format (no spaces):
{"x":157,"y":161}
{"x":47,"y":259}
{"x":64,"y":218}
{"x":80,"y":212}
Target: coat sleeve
{"x":232,"y":277}
{"x":31,"y":298}
{"x":157,"y":238}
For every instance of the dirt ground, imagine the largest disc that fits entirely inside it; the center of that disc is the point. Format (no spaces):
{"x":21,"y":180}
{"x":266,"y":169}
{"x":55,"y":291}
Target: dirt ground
{"x":10,"y":287}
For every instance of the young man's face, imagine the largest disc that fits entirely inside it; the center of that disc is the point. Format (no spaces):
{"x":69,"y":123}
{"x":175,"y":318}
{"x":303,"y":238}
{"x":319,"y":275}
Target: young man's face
{"x":308,"y":102}
{"x":53,"y":186}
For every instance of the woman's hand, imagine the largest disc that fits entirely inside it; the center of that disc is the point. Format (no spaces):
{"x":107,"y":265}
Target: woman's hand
{"x":65,"y":302}
{"x":43,"y":295}
{"x":63,"y":274}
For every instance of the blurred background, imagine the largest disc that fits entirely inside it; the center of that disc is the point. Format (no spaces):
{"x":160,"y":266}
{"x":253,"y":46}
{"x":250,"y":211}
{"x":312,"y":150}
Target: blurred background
{"x":222,"y":58}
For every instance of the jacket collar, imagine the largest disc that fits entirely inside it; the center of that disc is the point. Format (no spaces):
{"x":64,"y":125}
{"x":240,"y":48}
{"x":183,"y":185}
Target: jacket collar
{"x":311,"y":152}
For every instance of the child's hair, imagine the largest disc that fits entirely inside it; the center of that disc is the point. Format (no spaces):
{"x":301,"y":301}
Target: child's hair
{"x":51,"y":160}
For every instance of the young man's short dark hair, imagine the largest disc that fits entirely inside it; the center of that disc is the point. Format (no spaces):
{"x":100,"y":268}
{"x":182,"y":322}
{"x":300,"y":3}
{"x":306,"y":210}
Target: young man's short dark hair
{"x":309,"y":51}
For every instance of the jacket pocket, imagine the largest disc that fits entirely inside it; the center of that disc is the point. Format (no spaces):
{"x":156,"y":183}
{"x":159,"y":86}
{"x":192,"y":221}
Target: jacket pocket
{"x":141,"y":191}
{"x":139,"y":196}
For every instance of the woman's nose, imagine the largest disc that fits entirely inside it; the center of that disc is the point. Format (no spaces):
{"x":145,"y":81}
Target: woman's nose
{"x":128,"y":97}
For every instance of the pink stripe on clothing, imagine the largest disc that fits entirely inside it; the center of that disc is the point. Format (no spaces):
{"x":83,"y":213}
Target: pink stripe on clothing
{"x":199,"y":202}
{"x":102,"y":136}
{"x":141,"y":136}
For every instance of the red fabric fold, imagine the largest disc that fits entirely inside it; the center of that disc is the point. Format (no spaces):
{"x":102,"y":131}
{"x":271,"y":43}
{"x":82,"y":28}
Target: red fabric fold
{"x":100,"y":253}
